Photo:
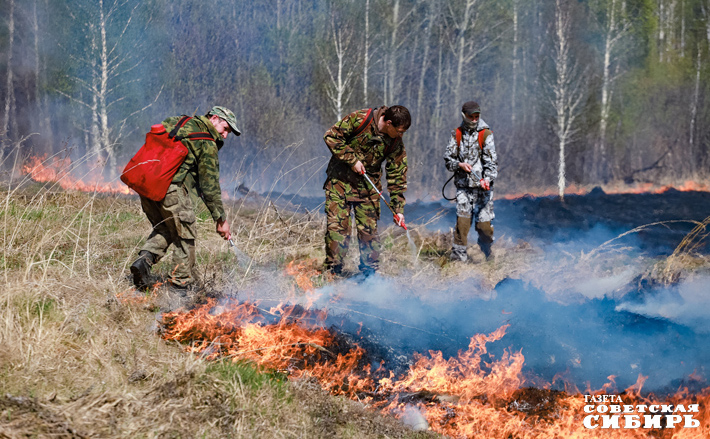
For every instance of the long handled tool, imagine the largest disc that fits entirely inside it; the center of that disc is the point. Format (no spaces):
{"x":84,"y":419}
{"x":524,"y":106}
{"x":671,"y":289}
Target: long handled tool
{"x":242,"y":259}
{"x":402,"y":225}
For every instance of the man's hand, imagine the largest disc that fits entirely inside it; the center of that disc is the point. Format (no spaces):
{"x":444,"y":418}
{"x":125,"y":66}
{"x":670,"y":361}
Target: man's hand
{"x":485,"y":184}
{"x":359,"y":168}
{"x":223,"y":229}
{"x":465,"y":166}
{"x":399,"y":220}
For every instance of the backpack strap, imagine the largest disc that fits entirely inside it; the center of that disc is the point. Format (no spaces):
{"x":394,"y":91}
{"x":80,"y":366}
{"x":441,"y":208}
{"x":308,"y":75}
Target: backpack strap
{"x":200,"y":135}
{"x":183,"y":120}
{"x":459,"y":136}
{"x":482,"y":136}
{"x":365,"y":123}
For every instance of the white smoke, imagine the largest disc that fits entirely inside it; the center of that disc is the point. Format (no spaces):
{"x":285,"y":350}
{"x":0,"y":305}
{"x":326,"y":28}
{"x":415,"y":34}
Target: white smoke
{"x":414,"y":418}
{"x":686,"y":304}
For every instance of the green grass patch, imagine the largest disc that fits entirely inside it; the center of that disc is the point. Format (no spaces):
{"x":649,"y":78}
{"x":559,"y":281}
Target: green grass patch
{"x":248,"y":374}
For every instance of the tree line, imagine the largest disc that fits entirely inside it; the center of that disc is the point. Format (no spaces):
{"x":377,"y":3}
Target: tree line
{"x":576,"y":91}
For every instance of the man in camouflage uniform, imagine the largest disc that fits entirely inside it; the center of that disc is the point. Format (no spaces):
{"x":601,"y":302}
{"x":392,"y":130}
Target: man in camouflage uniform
{"x":173,"y":218}
{"x":471,"y":155}
{"x":360,"y":143}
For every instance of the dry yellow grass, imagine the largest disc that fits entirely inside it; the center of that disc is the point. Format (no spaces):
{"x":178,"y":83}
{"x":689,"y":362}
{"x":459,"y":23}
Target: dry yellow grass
{"x":81,"y":357}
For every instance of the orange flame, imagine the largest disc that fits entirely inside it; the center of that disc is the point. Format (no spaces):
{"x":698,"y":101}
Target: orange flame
{"x":470,"y":395}
{"x":639,"y":188}
{"x":57,"y":170}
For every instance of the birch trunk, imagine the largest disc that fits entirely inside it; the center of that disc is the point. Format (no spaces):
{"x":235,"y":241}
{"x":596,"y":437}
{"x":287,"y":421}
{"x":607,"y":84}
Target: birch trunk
{"x":513,"y":92}
{"x":423,"y":68}
{"x":9,"y":80}
{"x":338,"y":90}
{"x":103,"y":90}
{"x":694,"y":107}
{"x":567,"y":89}
{"x":366,"y":55}
{"x":392,"y":82}
{"x":462,"y":27}
{"x":617,"y":28}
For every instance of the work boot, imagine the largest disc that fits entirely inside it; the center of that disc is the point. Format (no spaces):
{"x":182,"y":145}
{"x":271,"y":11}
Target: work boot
{"x":458,"y":253}
{"x":367,"y":272}
{"x":487,"y":250}
{"x":485,"y":238}
{"x":179,"y":290}
{"x":140,"y":270}
{"x":335,"y":270}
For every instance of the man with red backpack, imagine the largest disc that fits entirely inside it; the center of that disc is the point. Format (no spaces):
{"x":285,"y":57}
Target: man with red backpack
{"x":360,"y":143}
{"x":173,"y":217}
{"x":471,"y":155}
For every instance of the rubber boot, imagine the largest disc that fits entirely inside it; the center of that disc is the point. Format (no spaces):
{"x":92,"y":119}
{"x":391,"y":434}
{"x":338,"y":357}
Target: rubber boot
{"x":140,"y":269}
{"x":485,"y":238}
{"x":336,"y":269}
{"x":458,"y":250}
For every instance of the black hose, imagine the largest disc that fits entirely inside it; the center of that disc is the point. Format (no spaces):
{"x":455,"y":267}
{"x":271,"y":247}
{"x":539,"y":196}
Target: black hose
{"x":443,"y":188}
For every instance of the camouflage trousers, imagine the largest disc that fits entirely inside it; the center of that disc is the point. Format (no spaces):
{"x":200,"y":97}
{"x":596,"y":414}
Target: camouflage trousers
{"x":473,"y":205}
{"x":173,"y":220}
{"x":339,"y":228}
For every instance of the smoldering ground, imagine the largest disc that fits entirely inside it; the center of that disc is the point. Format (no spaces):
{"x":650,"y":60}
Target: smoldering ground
{"x":585,"y":342}
{"x":579,"y":313}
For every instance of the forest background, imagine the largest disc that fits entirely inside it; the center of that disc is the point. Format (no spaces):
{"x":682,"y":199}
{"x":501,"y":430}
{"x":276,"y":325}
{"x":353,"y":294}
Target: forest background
{"x":583,"y":92}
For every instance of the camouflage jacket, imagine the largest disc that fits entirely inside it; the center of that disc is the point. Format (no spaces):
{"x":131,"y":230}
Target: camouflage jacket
{"x":372,"y":148}
{"x":200,"y":170}
{"x":484,"y":162}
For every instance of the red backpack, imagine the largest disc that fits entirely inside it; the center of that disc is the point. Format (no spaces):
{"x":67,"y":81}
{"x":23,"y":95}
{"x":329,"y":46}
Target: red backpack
{"x":152,"y":169}
{"x":482,"y":136}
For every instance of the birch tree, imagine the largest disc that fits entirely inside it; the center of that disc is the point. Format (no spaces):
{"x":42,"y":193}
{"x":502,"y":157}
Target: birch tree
{"x":469,"y":42}
{"x":392,"y":80}
{"x":9,"y":108}
{"x":432,"y":12}
{"x":567,"y":87}
{"x":40,"y":101}
{"x":366,"y":53}
{"x":341,"y":75}
{"x":615,"y":27}
{"x":106,"y":66}
{"x":516,"y":63}
{"x":705,"y":10}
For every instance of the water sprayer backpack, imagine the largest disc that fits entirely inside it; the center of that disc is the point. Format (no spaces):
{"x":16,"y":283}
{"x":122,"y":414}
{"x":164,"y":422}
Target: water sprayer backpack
{"x":482,"y":136}
{"x":152,"y":169}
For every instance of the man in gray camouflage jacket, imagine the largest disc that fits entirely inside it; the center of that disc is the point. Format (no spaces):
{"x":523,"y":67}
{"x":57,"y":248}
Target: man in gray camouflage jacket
{"x":471,"y":155}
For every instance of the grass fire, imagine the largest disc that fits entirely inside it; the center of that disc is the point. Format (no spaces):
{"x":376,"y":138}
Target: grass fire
{"x":594,"y":333}
{"x":470,"y":394}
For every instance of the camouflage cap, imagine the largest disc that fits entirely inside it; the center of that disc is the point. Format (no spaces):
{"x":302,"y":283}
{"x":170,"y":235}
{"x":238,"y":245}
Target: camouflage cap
{"x":227,"y":115}
{"x":470,"y":107}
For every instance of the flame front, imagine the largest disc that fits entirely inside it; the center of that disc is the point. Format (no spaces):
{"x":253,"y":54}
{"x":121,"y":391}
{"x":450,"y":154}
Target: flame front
{"x":462,"y":397}
{"x":58,"y":171}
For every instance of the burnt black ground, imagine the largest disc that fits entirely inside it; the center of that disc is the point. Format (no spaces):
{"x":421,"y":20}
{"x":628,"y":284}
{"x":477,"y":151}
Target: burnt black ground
{"x":587,"y":339}
{"x":588,"y":219}
{"x":585,"y":342}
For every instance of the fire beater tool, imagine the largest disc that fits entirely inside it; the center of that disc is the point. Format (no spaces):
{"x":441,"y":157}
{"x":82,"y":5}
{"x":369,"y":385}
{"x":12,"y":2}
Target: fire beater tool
{"x":396,"y":221}
{"x":243,"y":260}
